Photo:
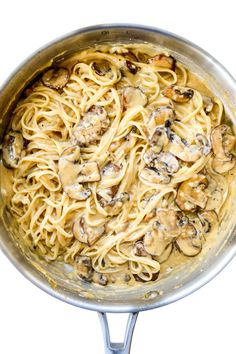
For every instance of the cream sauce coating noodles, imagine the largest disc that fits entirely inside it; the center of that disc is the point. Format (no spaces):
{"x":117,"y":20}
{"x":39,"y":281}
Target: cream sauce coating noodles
{"x":114,"y":160}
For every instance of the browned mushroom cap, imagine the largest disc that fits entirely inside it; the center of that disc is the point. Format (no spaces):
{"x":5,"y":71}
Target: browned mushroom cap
{"x":207,"y":104}
{"x":178,"y":94}
{"x":221,"y":167}
{"x":189,"y":242}
{"x":161,"y":116}
{"x":84,"y":267}
{"x":222,"y":142}
{"x":101,"y":68}
{"x":191,"y":193}
{"x":114,"y":206}
{"x":209,"y":220}
{"x":13,"y":144}
{"x":72,"y":173}
{"x":139,"y":249}
{"x":86,"y":233}
{"x":91,"y":128}
{"x":56,"y":78}
{"x":99,"y":278}
{"x":163,"y":61}
{"x":133,"y":96}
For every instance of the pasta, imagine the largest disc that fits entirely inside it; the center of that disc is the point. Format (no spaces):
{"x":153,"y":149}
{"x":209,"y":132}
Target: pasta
{"x":117,"y":159}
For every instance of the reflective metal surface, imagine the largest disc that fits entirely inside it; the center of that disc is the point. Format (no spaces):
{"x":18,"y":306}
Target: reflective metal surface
{"x":182,"y":282}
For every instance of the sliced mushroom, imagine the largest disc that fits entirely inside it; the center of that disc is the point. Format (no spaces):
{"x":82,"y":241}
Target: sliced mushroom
{"x":111,"y":170}
{"x":56,"y":78}
{"x":72,"y":173}
{"x":110,"y":176}
{"x":203,"y":143}
{"x":163,"y":61}
{"x":88,"y":172}
{"x":165,"y":254}
{"x":114,"y":206}
{"x":164,"y":115}
{"x":131,"y":67}
{"x":84,"y":267}
{"x":86,"y":233}
{"x":184,"y":151}
{"x":99,"y":278}
{"x":155,"y":242}
{"x":91,"y":128}
{"x":13,"y":144}
{"x":139,"y":249}
{"x":191,"y":193}
{"x":167,"y":222}
{"x":163,"y":165}
{"x":159,"y":139}
{"x":133,"y":96}
{"x":207,"y":104}
{"x":209,"y":220}
{"x":178,"y":94}
{"x":189,"y":242}
{"x":220,"y":166}
{"x":222,"y":142}
{"x":101,"y":68}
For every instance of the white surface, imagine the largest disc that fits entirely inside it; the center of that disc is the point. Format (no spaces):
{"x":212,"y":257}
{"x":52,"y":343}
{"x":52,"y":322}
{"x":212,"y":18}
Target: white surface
{"x":30,"y":320}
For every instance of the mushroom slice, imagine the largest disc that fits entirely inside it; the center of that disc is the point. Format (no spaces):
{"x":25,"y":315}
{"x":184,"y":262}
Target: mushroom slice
{"x":163,"y":61}
{"x":88,"y":172}
{"x":203,"y":143}
{"x":86,"y":233}
{"x":167,"y":223}
{"x":189,"y":242}
{"x":99,"y":278}
{"x":91,"y":128}
{"x":159,"y":139}
{"x":182,"y":150}
{"x":155,"y":242}
{"x":114,"y":206}
{"x":207,"y":104}
{"x":209,"y":220}
{"x":84,"y":267}
{"x":165,"y":254}
{"x":191,"y":193}
{"x":111,"y":170}
{"x":139,"y":249}
{"x":166,"y":161}
{"x":56,"y":78}
{"x":178,"y":94}
{"x":72,"y":173}
{"x":101,"y":68}
{"x":221,"y":166}
{"x":164,"y":115}
{"x":133,"y":96}
{"x":222,"y":142}
{"x":153,"y":175}
{"x":131,"y":67}
{"x":13,"y":144}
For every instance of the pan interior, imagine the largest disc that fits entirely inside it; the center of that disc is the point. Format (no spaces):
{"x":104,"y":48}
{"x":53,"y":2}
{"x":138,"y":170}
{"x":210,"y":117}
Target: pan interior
{"x":58,"y":278}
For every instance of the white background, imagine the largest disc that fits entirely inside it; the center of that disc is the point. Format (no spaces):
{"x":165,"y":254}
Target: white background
{"x":30,"y":320}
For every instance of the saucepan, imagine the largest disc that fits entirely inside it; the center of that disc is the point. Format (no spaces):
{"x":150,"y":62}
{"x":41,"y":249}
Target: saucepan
{"x":55,"y":278}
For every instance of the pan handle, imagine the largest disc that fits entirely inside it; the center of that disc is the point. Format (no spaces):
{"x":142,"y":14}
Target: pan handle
{"x":118,"y":348}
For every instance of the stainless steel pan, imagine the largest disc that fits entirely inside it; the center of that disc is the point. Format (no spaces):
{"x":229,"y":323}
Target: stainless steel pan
{"x":185,"y":280}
